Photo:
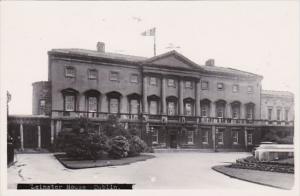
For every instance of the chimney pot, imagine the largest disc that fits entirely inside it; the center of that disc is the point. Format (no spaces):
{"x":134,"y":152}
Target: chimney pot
{"x":210,"y":62}
{"x":100,"y":46}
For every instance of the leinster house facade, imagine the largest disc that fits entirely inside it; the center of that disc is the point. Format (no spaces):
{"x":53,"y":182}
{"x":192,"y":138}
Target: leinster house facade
{"x":171,"y":100}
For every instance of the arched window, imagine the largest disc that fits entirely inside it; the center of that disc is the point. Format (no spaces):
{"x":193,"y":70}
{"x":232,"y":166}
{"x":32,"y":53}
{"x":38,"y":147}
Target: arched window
{"x":220,"y":108}
{"x":92,"y":100}
{"x":205,"y":107}
{"x":134,"y":103}
{"x":172,"y":105}
{"x":114,"y":102}
{"x":153,"y":102}
{"x":235,"y":109}
{"x":188,"y":106}
{"x":70,"y":99}
{"x":250,"y":110}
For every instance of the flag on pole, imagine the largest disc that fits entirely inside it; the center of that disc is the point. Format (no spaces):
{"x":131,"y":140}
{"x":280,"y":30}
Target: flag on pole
{"x":149,"y":32}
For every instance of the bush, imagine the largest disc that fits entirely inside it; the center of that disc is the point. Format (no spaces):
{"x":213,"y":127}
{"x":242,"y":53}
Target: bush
{"x":119,"y":147}
{"x":90,"y":145}
{"x":112,"y":127}
{"x":136,"y":146}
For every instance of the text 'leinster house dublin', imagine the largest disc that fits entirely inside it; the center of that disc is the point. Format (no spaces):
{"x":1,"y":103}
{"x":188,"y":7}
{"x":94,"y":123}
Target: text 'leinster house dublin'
{"x":172,"y":101}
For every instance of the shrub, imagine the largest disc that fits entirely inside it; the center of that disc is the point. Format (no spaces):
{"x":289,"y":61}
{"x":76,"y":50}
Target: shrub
{"x":136,"y":146}
{"x":119,"y":147}
{"x":80,"y":145}
{"x":113,"y":127}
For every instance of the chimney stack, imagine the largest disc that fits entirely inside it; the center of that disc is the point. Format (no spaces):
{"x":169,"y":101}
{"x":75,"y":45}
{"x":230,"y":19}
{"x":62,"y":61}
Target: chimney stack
{"x":100,"y":46}
{"x":210,"y":62}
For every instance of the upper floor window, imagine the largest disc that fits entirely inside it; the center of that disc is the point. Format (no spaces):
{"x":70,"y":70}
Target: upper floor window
{"x":249,"y":111}
{"x":235,"y":88}
{"x":171,"y":108}
{"x":250,"y":89}
{"x":188,"y":84}
{"x":270,"y":113}
{"x":134,"y":78}
{"x":204,"y":85}
{"x":70,"y":72}
{"x":92,"y":104}
{"x":153,"y":107}
{"x":114,"y":76}
{"x":114,"y":105}
{"x":278,"y":114}
{"x":42,"y":103}
{"x":134,"y":106}
{"x":92,"y":74}
{"x":220,"y":86}
{"x":153,"y":81}
{"x":69,"y":103}
{"x":171,"y":82}
{"x":204,"y":110}
{"x":286,"y":115}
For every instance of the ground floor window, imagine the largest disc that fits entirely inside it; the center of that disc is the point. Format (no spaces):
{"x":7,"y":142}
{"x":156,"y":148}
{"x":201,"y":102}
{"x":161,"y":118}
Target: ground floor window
{"x":220,"y":136}
{"x":155,"y":136}
{"x":205,"y":137}
{"x":249,"y":138}
{"x":235,"y":137}
{"x":190,"y":137}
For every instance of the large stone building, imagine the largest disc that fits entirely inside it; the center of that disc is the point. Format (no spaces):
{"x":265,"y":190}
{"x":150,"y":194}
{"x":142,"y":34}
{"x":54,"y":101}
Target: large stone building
{"x":174,"y":102}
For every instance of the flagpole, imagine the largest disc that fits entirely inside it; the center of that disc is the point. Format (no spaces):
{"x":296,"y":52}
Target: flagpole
{"x":154,"y":47}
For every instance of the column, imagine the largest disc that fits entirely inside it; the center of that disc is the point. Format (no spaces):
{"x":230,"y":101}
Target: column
{"x":39,"y":136}
{"x":52,"y":131}
{"x":197,"y":94}
{"x":163,"y":96}
{"x":145,"y":103}
{"x":180,"y":96}
{"x":213,"y":129}
{"x":21,"y":137}
{"x":246,"y":138}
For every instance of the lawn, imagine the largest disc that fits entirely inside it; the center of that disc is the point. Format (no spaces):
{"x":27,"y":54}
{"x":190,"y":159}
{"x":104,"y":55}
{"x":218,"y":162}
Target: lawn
{"x":81,"y":164}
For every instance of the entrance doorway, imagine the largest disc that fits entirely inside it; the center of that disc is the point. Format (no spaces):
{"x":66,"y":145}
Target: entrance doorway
{"x":173,"y":141}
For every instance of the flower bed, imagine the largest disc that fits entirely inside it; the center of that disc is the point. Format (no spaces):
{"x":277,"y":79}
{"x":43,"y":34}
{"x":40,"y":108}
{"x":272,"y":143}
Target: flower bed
{"x":283,"y":166}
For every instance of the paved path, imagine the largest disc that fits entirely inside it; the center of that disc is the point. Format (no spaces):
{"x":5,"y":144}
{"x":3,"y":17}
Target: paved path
{"x":184,"y":170}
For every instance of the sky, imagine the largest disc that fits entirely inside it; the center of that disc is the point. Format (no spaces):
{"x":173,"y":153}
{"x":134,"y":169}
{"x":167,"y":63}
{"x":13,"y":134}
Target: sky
{"x":259,"y":37}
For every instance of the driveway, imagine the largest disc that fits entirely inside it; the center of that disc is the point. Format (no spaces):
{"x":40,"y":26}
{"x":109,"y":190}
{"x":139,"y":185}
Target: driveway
{"x":178,"y":170}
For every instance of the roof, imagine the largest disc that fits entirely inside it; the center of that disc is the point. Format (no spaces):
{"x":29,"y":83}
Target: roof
{"x":94,"y":53}
{"x":277,"y":93}
{"x":145,"y":60}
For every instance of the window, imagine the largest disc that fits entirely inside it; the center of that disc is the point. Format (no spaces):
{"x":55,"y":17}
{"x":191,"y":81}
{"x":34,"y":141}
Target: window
{"x":154,"y":136}
{"x":70,"y":72}
{"x":204,"y":85}
{"x":235,"y":110}
{"x":134,"y":106}
{"x":188,"y":84}
{"x":171,"y":108}
{"x":92,"y":74}
{"x":278,"y":114}
{"x":69,"y":103}
{"x":92,"y":104}
{"x":286,"y":115}
{"x":250,"y":111}
{"x":114,"y":105}
{"x":188,"y":109}
{"x":220,"y":86}
{"x":249,"y":138}
{"x":204,"y":110}
{"x":171,"y":82}
{"x":114,"y":76}
{"x":153,"y":108}
{"x":235,"y":88}
{"x":190,"y":138}
{"x":220,"y":136}
{"x":250,"y":89}
{"x":134,"y":78}
{"x":42,"y":103}
{"x":270,"y":114}
{"x":153,"y":81}
{"x":220,"y":109}
{"x":235,"y":137}
{"x":205,"y":137}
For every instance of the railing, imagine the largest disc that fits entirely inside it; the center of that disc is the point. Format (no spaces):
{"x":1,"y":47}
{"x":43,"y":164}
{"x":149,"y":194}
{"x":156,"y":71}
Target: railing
{"x":167,"y":118}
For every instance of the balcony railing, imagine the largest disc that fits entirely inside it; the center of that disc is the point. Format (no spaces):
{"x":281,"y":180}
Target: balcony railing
{"x":166,"y":118}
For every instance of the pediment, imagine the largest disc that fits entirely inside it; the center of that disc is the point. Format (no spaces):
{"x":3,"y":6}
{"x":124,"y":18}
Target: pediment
{"x":172,"y":59}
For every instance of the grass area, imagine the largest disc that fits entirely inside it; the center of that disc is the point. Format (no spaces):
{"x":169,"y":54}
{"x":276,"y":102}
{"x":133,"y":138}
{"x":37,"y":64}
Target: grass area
{"x":81,"y":164}
{"x":273,"y":179}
